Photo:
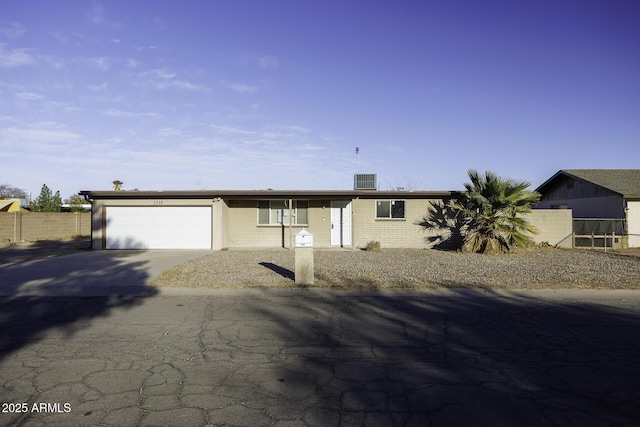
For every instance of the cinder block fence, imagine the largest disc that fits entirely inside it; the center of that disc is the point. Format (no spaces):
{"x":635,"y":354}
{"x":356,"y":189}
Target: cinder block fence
{"x":19,"y":226}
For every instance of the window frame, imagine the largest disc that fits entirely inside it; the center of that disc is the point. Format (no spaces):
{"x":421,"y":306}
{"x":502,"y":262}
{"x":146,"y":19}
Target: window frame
{"x":272,"y":215}
{"x":391,"y":202}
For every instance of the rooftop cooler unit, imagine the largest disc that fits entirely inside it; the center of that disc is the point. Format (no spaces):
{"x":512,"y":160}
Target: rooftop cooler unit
{"x":365,"y":181}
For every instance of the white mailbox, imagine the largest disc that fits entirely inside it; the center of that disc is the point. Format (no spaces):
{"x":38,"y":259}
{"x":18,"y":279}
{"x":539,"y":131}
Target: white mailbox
{"x":303,"y":239}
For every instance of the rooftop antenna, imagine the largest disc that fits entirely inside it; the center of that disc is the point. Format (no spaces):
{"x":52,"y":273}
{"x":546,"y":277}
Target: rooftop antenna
{"x":358,"y":157}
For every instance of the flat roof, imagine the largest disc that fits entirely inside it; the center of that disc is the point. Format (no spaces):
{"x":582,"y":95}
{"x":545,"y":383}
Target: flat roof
{"x":270,"y":194}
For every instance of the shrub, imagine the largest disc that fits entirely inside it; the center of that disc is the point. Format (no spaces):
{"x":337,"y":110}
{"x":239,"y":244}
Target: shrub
{"x":373,"y":245}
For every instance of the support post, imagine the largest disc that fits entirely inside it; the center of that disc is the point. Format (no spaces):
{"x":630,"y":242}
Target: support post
{"x":17,"y":227}
{"x":290,"y":223}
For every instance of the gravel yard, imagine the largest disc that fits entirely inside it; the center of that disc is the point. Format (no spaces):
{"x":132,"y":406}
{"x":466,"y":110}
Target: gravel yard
{"x":411,"y":268}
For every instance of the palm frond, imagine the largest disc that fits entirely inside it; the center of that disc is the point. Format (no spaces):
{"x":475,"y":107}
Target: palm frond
{"x":495,"y":207}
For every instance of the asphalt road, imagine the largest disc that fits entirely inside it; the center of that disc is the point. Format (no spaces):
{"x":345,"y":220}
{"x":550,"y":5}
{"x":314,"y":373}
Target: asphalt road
{"x":321,"y":358}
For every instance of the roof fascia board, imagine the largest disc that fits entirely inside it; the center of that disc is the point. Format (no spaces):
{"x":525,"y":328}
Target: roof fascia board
{"x":268,"y":194}
{"x":550,"y":179}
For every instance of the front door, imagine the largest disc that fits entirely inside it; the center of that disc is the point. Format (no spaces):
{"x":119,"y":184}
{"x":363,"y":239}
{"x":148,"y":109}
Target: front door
{"x":341,"y":223}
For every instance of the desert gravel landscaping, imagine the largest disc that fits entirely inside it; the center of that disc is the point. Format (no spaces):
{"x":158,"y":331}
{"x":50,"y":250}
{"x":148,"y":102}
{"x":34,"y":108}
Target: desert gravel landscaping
{"x":540,"y":268}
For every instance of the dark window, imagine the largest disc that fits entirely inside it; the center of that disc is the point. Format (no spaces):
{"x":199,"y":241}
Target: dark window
{"x":390,"y":209}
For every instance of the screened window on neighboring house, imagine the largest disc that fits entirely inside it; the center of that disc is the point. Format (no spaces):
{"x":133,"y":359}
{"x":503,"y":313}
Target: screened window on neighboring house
{"x":390,"y":209}
{"x":276,"y":212}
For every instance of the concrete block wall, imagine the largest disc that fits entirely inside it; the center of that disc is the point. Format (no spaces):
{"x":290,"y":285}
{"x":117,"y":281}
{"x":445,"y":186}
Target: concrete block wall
{"x":244,"y":231}
{"x":8,"y":226}
{"x":32,"y":226}
{"x":243,"y":227}
{"x":391,"y":233}
{"x":555,"y":226}
{"x":319,"y":217}
{"x":633,"y":223}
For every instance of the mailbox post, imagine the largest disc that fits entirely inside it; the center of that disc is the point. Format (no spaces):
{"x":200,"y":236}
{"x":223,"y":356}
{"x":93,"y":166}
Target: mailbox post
{"x":303,"y":242}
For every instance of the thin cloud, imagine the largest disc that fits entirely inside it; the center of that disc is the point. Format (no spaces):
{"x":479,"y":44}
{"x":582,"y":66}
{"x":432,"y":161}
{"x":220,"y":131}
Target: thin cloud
{"x":263,"y":61}
{"x":40,"y":134}
{"x":286,"y":131}
{"x":183,"y":84}
{"x":98,"y":87}
{"x":392,"y":148}
{"x":61,"y":106}
{"x":13,"y":30}
{"x":169,"y":132}
{"x":8,"y":118}
{"x":101,"y":63}
{"x":227,"y":130}
{"x":163,"y":78}
{"x":130,"y":115}
{"x":10,"y":58}
{"x":60,"y":36}
{"x":97,"y":16}
{"x":268,"y":62}
{"x":29,"y":96}
{"x":164,"y":73}
{"x":242,"y":87}
{"x":96,"y":13}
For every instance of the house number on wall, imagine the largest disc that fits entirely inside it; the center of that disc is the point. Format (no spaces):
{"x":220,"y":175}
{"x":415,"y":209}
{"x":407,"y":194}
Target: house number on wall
{"x":157,"y":202}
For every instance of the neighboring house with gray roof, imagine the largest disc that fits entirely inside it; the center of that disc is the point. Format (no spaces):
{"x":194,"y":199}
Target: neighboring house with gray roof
{"x":607,"y":194}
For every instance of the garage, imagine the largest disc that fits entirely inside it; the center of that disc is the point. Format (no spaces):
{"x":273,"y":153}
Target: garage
{"x":158,"y":227}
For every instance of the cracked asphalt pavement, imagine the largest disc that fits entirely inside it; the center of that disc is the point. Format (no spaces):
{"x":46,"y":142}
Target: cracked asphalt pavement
{"x":302,"y":357}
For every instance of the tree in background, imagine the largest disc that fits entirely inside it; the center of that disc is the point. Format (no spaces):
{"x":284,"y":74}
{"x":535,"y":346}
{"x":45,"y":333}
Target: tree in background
{"x":76,"y":201}
{"x":492,"y":209}
{"x":117,"y":185}
{"x":46,"y":201}
{"x":405,"y":184}
{"x":9,"y":192}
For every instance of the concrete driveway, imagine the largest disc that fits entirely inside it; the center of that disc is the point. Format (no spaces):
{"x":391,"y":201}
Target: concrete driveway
{"x":91,"y":273}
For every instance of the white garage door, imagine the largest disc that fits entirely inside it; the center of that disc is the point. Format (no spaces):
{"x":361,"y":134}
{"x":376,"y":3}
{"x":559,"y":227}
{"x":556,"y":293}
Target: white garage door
{"x":158,"y":227}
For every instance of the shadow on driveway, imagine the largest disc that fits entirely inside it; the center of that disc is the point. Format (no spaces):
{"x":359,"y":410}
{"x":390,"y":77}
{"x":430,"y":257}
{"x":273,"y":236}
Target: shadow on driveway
{"x":29,"y":306}
{"x":79,"y":274}
{"x":30,"y":251}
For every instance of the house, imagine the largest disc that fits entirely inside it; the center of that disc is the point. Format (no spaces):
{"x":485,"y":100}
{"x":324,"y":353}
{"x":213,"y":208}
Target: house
{"x":11,"y":205}
{"x":258,"y":219}
{"x":602,"y":200}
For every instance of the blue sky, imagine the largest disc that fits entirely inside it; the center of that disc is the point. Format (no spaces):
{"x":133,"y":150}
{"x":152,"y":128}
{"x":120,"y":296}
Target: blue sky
{"x":232,"y":94}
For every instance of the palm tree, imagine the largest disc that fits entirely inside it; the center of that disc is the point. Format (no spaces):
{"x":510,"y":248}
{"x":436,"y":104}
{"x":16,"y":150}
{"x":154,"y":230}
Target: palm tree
{"x":493,"y":209}
{"x":117,"y":185}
